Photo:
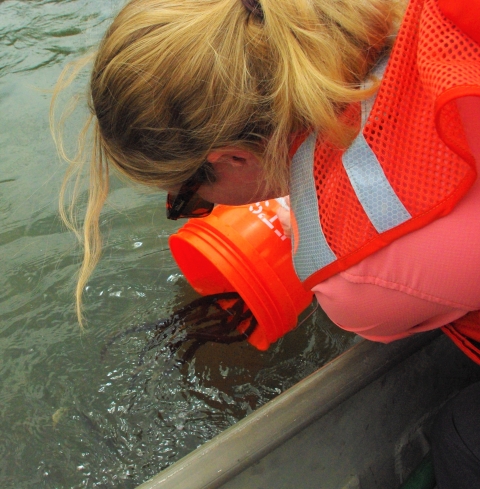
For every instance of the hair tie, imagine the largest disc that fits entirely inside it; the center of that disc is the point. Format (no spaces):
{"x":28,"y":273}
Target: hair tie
{"x":254,"y":7}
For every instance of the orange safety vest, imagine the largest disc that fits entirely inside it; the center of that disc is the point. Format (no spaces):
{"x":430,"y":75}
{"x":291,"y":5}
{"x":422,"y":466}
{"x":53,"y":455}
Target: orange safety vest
{"x":410,"y":163}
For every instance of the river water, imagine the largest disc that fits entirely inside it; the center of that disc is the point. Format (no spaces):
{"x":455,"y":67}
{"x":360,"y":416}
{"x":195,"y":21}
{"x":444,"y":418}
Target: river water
{"x":70,"y":418}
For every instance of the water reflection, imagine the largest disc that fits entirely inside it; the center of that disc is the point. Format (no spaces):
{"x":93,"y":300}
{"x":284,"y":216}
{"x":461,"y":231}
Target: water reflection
{"x":69,"y":420}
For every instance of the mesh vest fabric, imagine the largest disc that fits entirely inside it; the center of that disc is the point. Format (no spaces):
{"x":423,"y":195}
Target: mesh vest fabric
{"x":415,"y":132}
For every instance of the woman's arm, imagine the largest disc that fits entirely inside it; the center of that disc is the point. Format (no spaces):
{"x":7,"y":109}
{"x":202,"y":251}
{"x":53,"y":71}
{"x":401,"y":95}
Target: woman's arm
{"x":421,"y":281}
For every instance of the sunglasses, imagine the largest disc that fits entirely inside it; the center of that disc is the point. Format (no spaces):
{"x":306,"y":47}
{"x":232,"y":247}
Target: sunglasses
{"x":187,"y":203}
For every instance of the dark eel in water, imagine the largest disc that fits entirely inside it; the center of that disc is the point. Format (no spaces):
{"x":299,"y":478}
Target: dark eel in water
{"x":219,"y":318}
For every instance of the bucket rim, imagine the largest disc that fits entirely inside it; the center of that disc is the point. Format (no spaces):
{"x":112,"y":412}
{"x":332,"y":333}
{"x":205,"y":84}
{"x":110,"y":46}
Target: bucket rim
{"x":256,"y":292}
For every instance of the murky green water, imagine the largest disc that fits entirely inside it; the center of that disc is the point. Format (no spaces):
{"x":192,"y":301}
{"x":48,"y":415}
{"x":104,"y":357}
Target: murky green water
{"x":67,"y":418}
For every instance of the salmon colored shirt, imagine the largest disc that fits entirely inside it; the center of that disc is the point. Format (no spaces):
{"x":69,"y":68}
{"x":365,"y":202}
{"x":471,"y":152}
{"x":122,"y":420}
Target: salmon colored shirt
{"x":421,"y":281}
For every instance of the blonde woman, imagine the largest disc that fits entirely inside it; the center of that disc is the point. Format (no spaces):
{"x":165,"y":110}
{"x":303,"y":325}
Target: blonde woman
{"x":237,"y":101}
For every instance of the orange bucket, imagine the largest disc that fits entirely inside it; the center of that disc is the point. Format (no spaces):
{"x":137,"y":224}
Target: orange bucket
{"x":243,"y":249}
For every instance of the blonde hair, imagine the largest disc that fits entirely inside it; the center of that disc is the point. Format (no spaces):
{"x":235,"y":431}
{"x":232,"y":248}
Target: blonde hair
{"x":173,"y":80}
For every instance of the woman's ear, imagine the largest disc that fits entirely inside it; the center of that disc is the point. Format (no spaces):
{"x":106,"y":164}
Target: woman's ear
{"x":233,"y":156}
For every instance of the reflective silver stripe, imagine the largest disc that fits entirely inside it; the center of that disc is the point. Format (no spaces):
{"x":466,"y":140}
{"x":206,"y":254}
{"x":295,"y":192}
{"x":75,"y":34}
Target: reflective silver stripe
{"x":368,"y":180}
{"x":378,"y":199}
{"x":313,"y":252}
{"x":373,"y":190}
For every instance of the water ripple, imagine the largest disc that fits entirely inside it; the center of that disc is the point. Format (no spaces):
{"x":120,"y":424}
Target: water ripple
{"x":29,"y":41}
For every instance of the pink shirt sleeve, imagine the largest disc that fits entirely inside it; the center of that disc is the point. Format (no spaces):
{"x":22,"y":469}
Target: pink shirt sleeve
{"x":421,"y":281}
